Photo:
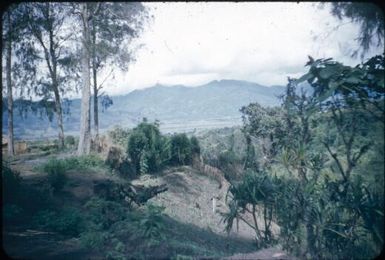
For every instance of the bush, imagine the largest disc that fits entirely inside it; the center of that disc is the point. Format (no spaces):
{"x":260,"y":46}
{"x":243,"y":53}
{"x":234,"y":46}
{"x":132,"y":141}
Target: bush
{"x":94,"y":239}
{"x":91,"y":160}
{"x":69,"y":140}
{"x":104,"y":213}
{"x":56,"y":173}
{"x":181,"y":152}
{"x":148,"y":150}
{"x":73,"y":163}
{"x":151,"y":225}
{"x":66,"y":222}
{"x":120,"y":135}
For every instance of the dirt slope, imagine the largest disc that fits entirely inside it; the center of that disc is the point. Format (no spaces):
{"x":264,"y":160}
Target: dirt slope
{"x":187,"y":202}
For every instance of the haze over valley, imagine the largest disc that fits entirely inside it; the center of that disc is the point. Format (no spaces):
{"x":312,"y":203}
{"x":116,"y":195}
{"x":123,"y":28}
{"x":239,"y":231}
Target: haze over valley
{"x":178,"y":108}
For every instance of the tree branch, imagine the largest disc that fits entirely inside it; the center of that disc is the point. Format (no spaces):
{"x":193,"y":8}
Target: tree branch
{"x":101,"y":85}
{"x":335,"y":157}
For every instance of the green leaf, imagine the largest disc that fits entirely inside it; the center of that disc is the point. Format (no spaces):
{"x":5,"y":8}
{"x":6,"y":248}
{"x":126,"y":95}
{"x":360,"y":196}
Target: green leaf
{"x":353,"y":80}
{"x":327,"y":72}
{"x":305,"y":77}
{"x":336,"y":232}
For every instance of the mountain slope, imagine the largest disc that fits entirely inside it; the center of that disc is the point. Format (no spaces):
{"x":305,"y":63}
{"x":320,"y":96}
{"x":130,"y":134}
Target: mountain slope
{"x":179,"y":108}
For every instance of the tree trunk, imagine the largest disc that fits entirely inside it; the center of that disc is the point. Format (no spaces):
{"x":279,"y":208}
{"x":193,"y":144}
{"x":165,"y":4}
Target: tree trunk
{"x":55,"y":85}
{"x":85,"y":130}
{"x":59,"y":115}
{"x":94,"y":73}
{"x":11,"y":150}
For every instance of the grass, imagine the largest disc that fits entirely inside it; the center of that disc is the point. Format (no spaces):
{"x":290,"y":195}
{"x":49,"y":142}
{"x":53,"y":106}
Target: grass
{"x":73,"y":163}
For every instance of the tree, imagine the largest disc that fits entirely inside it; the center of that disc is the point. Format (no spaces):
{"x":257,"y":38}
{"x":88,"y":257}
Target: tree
{"x":369,"y":16}
{"x":330,"y":204}
{"x":18,"y":63}
{"x":181,"y":152}
{"x":112,"y":29}
{"x":47,"y":22}
{"x":256,"y":188}
{"x":8,"y":48}
{"x":87,"y":13}
{"x":147,"y":148}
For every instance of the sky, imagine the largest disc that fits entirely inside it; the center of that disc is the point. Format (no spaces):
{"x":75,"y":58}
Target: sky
{"x":194,"y":43}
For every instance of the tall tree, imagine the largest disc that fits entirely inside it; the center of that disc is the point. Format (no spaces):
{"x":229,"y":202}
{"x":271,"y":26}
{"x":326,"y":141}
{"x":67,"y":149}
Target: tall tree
{"x":47,"y":24}
{"x":11,"y":150}
{"x":112,"y":29}
{"x":85,"y":130}
{"x":17,"y":54}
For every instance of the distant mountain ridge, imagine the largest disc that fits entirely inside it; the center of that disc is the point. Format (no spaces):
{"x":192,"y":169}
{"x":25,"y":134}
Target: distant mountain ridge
{"x":179,"y":108}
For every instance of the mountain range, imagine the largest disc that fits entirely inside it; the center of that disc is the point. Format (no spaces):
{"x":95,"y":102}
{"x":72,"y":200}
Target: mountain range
{"x":178,"y":108}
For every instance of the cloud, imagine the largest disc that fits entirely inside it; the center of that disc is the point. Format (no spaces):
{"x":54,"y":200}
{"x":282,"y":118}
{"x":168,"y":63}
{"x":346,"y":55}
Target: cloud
{"x":194,"y":43}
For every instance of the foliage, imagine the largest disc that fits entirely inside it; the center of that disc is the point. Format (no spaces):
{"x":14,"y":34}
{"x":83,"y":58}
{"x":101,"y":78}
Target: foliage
{"x":69,"y":141}
{"x":255,"y":192}
{"x":103,"y":213}
{"x":73,"y":163}
{"x":56,"y":173}
{"x":67,"y":221}
{"x":195,"y":147}
{"x":369,"y":16}
{"x":120,"y":135}
{"x":150,"y":151}
{"x":321,"y":141}
{"x":181,"y":152}
{"x":146,"y":148}
{"x":229,"y":150}
{"x":151,"y":224}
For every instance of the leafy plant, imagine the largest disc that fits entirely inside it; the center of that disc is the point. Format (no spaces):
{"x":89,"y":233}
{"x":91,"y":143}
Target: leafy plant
{"x":66,"y":222}
{"x":256,"y":192}
{"x":181,"y":152}
{"x":69,"y":140}
{"x":151,"y":225}
{"x":56,"y":173}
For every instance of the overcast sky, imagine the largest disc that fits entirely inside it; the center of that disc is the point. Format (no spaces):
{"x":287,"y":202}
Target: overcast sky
{"x":194,"y":43}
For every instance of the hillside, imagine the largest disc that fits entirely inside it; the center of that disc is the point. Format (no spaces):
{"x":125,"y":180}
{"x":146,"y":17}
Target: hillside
{"x":179,"y":108}
{"x":191,"y":228}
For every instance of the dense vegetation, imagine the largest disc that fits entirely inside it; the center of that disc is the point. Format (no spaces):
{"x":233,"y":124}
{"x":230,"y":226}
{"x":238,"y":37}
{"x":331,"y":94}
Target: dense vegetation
{"x":321,"y":176}
{"x":306,"y":175}
{"x":150,"y":151}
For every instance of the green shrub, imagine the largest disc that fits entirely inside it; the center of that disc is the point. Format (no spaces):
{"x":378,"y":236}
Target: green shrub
{"x":195,"y":148}
{"x":104,"y":213}
{"x":151,"y":225}
{"x":69,"y":141}
{"x":147,"y":148}
{"x":120,"y":135}
{"x":66,"y":222}
{"x":91,"y":160}
{"x":72,"y":163}
{"x":56,"y":173}
{"x":181,"y":152}
{"x":150,"y":151}
{"x":94,"y":239}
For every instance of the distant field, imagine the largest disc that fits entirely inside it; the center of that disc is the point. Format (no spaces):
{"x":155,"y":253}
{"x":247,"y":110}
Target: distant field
{"x":172,"y":126}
